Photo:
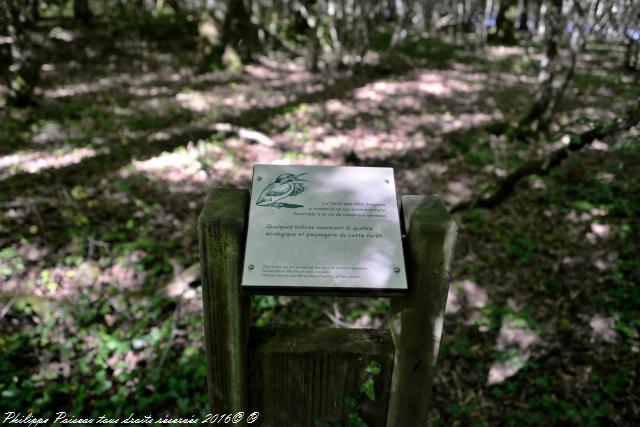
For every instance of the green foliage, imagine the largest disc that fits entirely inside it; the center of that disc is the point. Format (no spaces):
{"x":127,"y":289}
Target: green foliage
{"x":355,"y":398}
{"x":367,"y":389}
{"x":479,"y":157}
{"x":105,"y":378}
{"x":628,"y":147}
{"x":116,"y":347}
{"x":434,"y":50}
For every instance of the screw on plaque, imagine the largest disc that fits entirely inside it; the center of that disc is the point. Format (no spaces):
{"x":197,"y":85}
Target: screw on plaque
{"x":386,"y":181}
{"x":396,"y":269}
{"x":250,"y":266}
{"x":259,"y":178}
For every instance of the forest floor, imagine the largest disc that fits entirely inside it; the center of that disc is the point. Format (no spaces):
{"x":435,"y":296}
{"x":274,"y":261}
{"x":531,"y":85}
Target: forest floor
{"x":101,"y":184}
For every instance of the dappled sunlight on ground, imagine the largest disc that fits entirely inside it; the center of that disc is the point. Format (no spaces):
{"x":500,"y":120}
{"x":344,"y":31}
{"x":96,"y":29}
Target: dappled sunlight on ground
{"x":180,"y":165}
{"x":162,"y":81}
{"x":425,"y":83}
{"x":36,"y":161}
{"x":457,"y":191}
{"x":515,"y":340}
{"x":468,"y":299}
{"x":602,"y":328}
{"x":68,"y":282}
{"x":204,"y":164}
{"x":260,"y":87}
{"x":133,"y":81}
{"x":101,"y":187}
{"x":505,"y":51}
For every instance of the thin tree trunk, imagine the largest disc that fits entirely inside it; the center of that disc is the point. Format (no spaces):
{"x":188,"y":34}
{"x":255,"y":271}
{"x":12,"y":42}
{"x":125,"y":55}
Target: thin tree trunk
{"x":308,"y":13}
{"x":81,"y":11}
{"x":402,"y":17}
{"x":481,"y":27}
{"x":21,"y":70}
{"x":631,"y":54}
{"x":504,"y":25}
{"x":227,"y":36}
{"x":576,"y":45}
{"x":547,"y":74}
{"x":336,"y":44}
{"x":505,"y":187}
{"x":35,"y":9}
{"x":541,"y":18}
{"x":523,"y":15}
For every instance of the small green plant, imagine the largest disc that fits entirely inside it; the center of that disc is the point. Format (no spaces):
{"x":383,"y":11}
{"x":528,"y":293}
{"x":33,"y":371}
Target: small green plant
{"x":355,"y":398}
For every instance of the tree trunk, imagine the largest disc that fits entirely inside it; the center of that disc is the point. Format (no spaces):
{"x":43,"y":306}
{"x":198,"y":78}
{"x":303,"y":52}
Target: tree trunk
{"x":538,"y":115}
{"x":402,"y":16}
{"x":313,"y":53}
{"x":35,"y":9}
{"x":239,"y":32}
{"x":481,"y":23}
{"x":227,"y":36}
{"x":82,"y":12}
{"x":631,"y":54}
{"x":523,"y":16}
{"x":210,"y":42}
{"x":576,"y":44}
{"x":505,"y":25}
{"x":308,"y":12}
{"x":21,"y":68}
{"x":541,"y":16}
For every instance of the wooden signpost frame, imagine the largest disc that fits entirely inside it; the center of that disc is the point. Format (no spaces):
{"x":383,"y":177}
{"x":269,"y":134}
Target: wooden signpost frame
{"x":302,"y":376}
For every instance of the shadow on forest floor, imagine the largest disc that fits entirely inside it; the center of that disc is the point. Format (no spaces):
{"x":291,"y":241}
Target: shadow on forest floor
{"x":101,"y":186}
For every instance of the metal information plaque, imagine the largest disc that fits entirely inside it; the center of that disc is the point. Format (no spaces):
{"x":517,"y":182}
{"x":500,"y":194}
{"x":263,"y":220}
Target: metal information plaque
{"x":314,"y":229}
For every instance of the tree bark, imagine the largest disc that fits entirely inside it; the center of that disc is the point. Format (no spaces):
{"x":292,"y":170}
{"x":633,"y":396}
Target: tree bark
{"x":505,"y":25}
{"x":82,"y":12}
{"x":308,"y":12}
{"x":35,"y":9}
{"x":21,"y":66}
{"x":227,"y":32}
{"x":240,"y":32}
{"x":631,"y":54}
{"x":402,"y":17}
{"x":523,"y":15}
{"x":538,"y":115}
{"x":484,"y":8}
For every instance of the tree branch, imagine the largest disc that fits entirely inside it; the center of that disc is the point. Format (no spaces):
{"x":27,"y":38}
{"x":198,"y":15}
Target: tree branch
{"x":540,"y":167}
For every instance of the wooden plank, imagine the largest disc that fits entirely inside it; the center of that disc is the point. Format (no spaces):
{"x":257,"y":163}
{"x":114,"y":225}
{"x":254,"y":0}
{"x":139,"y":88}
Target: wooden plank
{"x":302,"y":376}
{"x":221,"y":230}
{"x":417,"y":318}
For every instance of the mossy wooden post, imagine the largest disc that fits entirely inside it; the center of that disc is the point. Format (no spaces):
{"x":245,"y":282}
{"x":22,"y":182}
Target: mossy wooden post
{"x":221,"y":228}
{"x":417,"y":318}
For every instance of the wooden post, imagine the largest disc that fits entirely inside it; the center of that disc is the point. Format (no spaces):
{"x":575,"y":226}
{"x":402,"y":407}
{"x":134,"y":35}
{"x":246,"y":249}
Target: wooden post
{"x":221,"y":228}
{"x":416,"y":319}
{"x":301,"y":376}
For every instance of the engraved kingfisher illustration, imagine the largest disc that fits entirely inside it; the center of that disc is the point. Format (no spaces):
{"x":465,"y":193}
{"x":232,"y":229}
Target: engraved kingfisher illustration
{"x":285,"y":185}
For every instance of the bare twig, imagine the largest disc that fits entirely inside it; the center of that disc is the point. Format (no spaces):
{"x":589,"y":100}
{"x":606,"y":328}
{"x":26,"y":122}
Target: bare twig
{"x":336,"y":317}
{"x":7,"y":307}
{"x":179,"y":286}
{"x":93,"y":243}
